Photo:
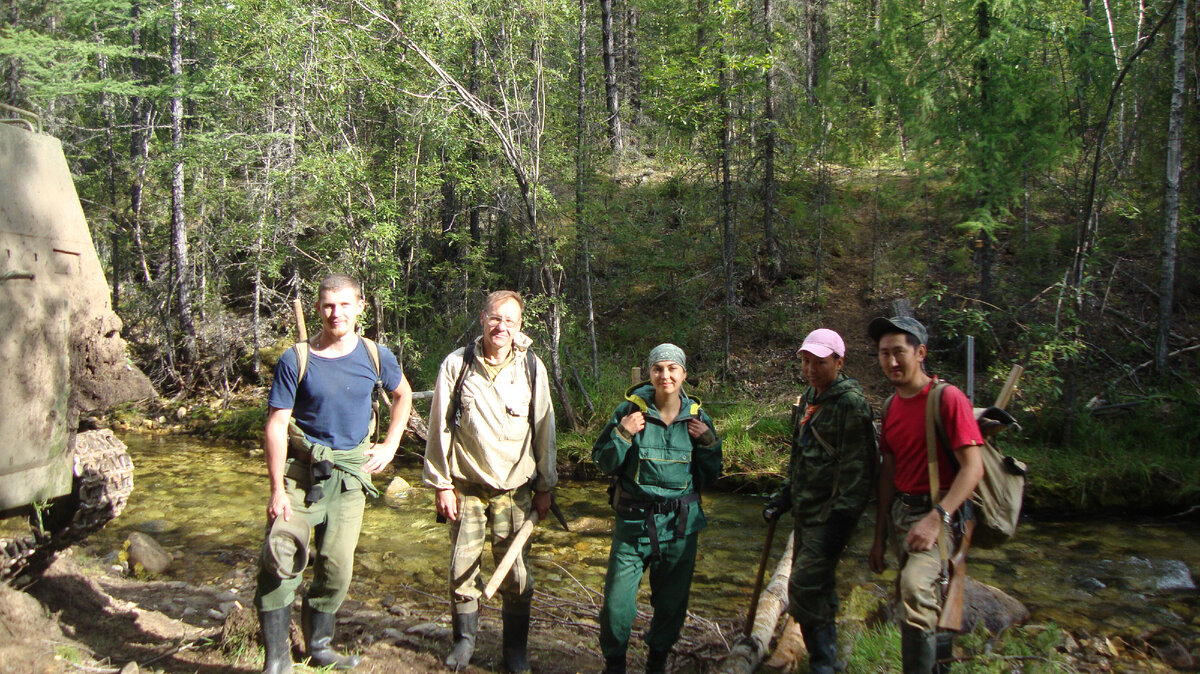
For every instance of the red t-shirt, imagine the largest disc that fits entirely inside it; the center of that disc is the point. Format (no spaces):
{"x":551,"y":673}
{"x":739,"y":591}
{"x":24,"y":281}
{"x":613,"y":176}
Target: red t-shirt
{"x":903,"y":435}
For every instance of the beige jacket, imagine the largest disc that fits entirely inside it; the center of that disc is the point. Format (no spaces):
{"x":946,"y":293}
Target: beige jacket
{"x":492,"y":446}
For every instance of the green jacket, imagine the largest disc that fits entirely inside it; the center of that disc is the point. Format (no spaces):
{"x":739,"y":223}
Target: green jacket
{"x":834,"y":475}
{"x":661,"y":463}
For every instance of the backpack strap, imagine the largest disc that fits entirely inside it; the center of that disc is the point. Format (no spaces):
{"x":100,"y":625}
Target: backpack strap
{"x":301,"y":349}
{"x":531,"y":377}
{"x":456,"y":394}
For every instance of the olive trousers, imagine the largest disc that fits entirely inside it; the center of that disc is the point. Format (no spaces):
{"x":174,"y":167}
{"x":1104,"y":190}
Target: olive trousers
{"x":336,"y":520}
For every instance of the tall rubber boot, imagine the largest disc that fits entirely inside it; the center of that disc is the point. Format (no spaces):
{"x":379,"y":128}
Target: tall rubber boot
{"x":516,"y":642}
{"x":614,"y":664}
{"x":918,"y":650}
{"x":276,"y":639}
{"x":318,"y":636}
{"x":944,"y":651}
{"x":656,"y":661}
{"x":821,"y":641}
{"x":466,"y":625}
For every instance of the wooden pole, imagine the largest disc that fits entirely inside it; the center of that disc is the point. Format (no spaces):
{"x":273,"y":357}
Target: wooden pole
{"x":301,"y":328}
{"x":749,"y":652}
{"x":514,"y":551}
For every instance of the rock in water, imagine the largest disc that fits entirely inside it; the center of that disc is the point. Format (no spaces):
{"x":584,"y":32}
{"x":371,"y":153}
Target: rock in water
{"x":147,"y":553}
{"x":992,"y":606}
{"x":398,"y":488}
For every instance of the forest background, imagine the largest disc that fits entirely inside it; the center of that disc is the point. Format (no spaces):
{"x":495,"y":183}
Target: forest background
{"x":721,"y":174}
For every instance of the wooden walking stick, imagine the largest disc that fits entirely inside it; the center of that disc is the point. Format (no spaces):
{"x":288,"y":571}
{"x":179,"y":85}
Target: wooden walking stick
{"x":514,"y":551}
{"x":762,"y":570}
{"x":301,"y":328}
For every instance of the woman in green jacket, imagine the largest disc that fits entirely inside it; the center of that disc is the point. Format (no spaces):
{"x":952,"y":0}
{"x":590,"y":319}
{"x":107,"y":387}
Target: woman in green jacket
{"x":661,"y":449}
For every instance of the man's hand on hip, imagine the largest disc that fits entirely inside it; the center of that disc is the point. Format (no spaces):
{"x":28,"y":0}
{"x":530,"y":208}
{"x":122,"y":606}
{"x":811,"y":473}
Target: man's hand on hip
{"x":924,"y":534}
{"x":380,"y":456}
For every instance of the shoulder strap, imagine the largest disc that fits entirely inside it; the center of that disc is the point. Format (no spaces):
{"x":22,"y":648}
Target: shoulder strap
{"x":933,"y":424}
{"x":531,"y":375}
{"x":301,"y":349}
{"x":372,"y":353}
{"x":456,"y":394}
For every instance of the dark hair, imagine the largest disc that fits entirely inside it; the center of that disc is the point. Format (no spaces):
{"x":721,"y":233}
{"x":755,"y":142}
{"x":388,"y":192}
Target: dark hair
{"x":909,"y":337}
{"x":335,"y":282}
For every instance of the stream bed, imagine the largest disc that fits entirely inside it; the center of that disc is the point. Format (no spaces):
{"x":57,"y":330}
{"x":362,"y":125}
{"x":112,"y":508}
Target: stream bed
{"x":205,"y":503}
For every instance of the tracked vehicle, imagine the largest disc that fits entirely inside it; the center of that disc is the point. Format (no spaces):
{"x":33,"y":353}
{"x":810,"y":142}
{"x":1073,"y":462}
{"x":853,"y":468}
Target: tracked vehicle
{"x":62,"y":354}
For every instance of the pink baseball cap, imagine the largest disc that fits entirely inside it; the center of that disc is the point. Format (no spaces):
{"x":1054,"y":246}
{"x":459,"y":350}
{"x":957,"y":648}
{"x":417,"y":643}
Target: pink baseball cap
{"x":823,"y":342}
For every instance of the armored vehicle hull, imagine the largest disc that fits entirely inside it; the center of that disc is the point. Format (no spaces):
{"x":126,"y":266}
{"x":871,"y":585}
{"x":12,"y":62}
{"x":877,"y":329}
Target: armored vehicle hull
{"x":62,"y":354}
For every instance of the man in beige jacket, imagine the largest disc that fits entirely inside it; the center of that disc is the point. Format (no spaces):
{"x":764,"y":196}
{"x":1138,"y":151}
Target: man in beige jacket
{"x":490,"y":456}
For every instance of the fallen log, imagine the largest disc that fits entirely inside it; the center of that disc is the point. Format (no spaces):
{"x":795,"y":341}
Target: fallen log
{"x":746,"y":655}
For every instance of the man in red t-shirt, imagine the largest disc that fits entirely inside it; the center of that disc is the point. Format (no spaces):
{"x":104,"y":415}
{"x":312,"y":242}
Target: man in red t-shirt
{"x":905,"y":506}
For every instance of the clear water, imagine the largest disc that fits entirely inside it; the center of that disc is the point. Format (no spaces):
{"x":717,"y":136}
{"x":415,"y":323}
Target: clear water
{"x":207,"y":501}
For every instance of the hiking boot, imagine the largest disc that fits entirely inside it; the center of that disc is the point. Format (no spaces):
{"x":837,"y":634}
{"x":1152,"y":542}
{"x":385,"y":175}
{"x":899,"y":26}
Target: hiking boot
{"x":465,"y":627}
{"x":318,"y":636}
{"x":821,"y":641}
{"x":277,"y":645}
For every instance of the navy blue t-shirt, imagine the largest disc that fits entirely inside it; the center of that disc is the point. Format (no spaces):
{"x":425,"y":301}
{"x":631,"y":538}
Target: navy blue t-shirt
{"x":333,"y":405}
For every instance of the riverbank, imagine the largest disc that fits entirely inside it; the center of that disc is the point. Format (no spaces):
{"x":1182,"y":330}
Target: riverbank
{"x":86,"y":615}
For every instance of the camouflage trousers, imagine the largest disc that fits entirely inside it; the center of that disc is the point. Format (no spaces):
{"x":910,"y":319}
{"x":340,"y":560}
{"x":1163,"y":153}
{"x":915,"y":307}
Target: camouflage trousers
{"x":918,"y":586}
{"x":812,"y":589}
{"x":337,"y":520}
{"x":505,"y":512}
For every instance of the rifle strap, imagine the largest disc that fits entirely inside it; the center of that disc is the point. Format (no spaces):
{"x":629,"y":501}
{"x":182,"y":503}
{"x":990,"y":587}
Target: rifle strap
{"x":933,"y":411}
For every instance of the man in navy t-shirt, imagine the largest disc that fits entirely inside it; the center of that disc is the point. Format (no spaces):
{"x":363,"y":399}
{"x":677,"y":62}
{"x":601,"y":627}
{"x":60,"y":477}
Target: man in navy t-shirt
{"x":319,"y":459}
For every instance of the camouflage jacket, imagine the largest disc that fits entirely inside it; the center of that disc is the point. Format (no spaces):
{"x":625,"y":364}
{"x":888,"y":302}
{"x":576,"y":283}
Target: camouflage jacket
{"x":833,"y":454}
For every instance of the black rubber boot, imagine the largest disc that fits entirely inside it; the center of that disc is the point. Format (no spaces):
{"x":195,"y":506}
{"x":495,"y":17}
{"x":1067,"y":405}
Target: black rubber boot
{"x":318,"y":636}
{"x":614,"y":664}
{"x":516,"y":642}
{"x":656,"y":662}
{"x":944,"y":651}
{"x":465,"y":627}
{"x":918,"y":650}
{"x":821,"y":641}
{"x":276,"y":639}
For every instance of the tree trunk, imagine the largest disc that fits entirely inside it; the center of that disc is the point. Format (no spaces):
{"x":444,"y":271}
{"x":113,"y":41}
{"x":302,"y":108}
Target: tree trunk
{"x":179,"y":244}
{"x":747,"y":654}
{"x":1166,"y":288}
{"x":770,"y":188}
{"x":582,"y":229}
{"x":984,"y":260}
{"x":139,"y":138}
{"x":816,"y":46}
{"x":612,"y":96}
{"x":12,"y":76}
{"x":633,"y":64}
{"x":727,"y":235}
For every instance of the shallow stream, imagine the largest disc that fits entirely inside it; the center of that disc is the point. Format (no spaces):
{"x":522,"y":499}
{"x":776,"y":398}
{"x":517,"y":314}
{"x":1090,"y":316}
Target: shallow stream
{"x":206,"y":503}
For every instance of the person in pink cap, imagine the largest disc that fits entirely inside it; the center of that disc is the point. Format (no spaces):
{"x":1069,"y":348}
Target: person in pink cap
{"x":829,"y":481}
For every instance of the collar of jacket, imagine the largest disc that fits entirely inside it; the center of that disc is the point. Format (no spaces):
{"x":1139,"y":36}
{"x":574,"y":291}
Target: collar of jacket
{"x":642,"y":395}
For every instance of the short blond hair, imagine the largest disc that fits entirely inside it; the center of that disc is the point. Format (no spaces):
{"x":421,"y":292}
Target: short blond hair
{"x":499,"y":296}
{"x":338,"y":282}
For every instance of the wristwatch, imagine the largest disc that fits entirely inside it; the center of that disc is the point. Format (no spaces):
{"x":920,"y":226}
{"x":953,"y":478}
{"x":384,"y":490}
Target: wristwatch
{"x":942,"y":511}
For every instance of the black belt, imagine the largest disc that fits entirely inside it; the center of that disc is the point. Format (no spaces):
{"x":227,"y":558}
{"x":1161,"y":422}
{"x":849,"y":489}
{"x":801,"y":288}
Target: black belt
{"x":680,"y":506}
{"x":914,"y":500}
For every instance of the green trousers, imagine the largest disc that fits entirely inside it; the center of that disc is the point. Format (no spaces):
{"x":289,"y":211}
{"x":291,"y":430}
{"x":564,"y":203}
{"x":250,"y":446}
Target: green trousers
{"x":670,"y":585}
{"x":336,"y":520}
{"x":812,"y":588}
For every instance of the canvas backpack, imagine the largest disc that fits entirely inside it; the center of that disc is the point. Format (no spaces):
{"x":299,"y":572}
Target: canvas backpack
{"x":1000,"y":492}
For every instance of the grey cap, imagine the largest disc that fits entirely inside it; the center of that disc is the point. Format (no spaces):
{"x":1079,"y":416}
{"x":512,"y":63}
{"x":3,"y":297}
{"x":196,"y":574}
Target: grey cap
{"x":878,"y":327}
{"x":668,"y":352}
{"x":285,"y":552}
